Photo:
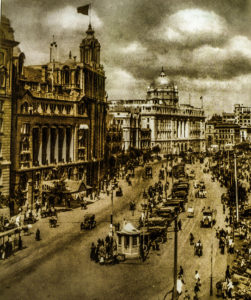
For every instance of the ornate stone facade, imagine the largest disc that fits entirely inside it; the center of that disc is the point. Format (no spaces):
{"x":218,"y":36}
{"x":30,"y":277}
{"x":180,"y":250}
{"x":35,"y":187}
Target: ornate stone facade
{"x":7,"y":43}
{"x":174,"y":127}
{"x":59,"y":122}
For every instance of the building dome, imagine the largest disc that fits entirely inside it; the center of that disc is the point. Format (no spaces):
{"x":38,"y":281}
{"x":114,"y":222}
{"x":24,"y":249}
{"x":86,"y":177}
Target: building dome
{"x":162,"y":80}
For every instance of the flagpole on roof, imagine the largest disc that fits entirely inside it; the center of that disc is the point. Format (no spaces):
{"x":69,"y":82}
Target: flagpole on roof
{"x":1,"y":11}
{"x":90,"y":14}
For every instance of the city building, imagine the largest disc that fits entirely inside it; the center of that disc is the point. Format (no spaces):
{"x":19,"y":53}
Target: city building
{"x":8,"y":43}
{"x":210,"y":134}
{"x":242,"y":115}
{"x":129,"y":120}
{"x":226,"y":135}
{"x":245,"y":134}
{"x":114,"y":144}
{"x":59,"y":121}
{"x":174,"y":127}
{"x":228,"y":117}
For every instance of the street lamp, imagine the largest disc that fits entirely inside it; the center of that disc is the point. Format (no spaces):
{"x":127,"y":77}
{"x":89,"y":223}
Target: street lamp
{"x":211,"y":277}
{"x":175,"y":257}
{"x":236,"y":189}
{"x":111,"y":225}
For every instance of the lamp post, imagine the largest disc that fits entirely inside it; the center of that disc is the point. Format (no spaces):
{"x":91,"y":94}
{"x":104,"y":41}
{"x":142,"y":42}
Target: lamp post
{"x":236,"y":189}
{"x":211,"y":277}
{"x":175,"y":258}
{"x":111,"y":225}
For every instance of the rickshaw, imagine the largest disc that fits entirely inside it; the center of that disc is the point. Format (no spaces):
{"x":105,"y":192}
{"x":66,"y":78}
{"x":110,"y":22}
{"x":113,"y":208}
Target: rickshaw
{"x":198,"y":249}
{"x":53,"y":222}
{"x":158,"y":233}
{"x":119,"y":192}
{"x":132,"y":205}
{"x":148,"y":172}
{"x":89,"y":222}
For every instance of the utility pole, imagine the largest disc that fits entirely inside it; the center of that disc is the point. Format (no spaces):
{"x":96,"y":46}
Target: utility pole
{"x":236,"y":189}
{"x":211,"y":277}
{"x":111,"y":225}
{"x":175,"y":258}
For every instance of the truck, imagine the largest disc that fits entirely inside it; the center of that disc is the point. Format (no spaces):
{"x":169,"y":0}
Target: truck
{"x":208,"y":218}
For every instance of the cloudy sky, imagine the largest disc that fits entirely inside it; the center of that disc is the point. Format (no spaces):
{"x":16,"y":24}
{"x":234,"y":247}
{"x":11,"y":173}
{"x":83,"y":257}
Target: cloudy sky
{"x":203,"y":45}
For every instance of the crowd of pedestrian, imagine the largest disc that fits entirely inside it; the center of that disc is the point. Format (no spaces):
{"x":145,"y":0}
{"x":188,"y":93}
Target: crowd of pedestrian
{"x":104,"y":251}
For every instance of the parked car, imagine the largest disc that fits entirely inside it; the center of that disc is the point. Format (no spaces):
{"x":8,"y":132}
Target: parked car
{"x":89,"y":222}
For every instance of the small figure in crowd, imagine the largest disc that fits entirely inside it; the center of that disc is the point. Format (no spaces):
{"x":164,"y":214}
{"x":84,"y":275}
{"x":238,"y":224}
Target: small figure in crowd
{"x":38,"y":238}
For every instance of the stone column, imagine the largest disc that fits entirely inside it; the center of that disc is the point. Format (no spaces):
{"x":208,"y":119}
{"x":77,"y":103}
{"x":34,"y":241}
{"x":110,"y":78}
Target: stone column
{"x":64,"y":146}
{"x":48,"y":148}
{"x":72,"y":144}
{"x":187,"y":129}
{"x":56,"y":146}
{"x":40,"y":146}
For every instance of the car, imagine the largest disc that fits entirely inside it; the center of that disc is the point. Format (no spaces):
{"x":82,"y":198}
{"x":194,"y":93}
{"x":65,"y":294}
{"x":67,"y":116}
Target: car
{"x":202,"y":185}
{"x":190,"y":212}
{"x":89,"y":222}
{"x":208,"y":218}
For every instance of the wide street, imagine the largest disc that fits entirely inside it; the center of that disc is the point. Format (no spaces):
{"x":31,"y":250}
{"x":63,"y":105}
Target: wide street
{"x":59,"y":266}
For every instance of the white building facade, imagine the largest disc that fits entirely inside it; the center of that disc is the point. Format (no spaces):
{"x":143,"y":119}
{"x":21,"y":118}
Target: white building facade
{"x":174,"y":127}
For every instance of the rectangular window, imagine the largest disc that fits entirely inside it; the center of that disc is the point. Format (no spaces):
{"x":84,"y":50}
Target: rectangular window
{"x":126,"y":241}
{"x":1,"y":177}
{"x":134,"y":240}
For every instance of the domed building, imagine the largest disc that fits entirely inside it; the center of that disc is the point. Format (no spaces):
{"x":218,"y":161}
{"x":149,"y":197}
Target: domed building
{"x":174,"y":127}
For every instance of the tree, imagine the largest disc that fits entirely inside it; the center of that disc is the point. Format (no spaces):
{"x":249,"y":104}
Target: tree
{"x":18,"y":197}
{"x":242,"y":194}
{"x":156,"y":149}
{"x":216,"y":118}
{"x":57,"y":193}
{"x":4,"y":200}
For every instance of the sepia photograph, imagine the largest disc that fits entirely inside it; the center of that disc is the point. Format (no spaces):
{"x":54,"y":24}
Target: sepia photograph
{"x":125,"y":149}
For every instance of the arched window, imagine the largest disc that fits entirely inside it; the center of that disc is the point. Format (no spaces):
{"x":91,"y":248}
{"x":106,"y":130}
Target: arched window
{"x":77,"y":75}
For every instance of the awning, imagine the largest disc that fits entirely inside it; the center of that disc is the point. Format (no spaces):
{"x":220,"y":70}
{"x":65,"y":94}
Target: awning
{"x":83,"y":126}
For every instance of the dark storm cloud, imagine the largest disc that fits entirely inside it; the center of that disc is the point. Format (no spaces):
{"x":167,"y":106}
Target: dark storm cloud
{"x":192,"y":39}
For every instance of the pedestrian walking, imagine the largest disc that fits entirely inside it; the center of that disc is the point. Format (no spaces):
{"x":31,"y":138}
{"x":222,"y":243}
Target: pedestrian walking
{"x":93,"y":251}
{"x":38,"y":237}
{"x":196,"y":291}
{"x":197,"y":276}
{"x":186,"y":296}
{"x":181,"y":271}
{"x":191,"y":238}
{"x":228,"y":273}
{"x":229,"y":289}
{"x":179,"y":285}
{"x":20,"y":243}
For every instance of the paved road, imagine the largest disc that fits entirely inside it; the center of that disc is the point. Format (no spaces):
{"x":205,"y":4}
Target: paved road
{"x":59,"y":266}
